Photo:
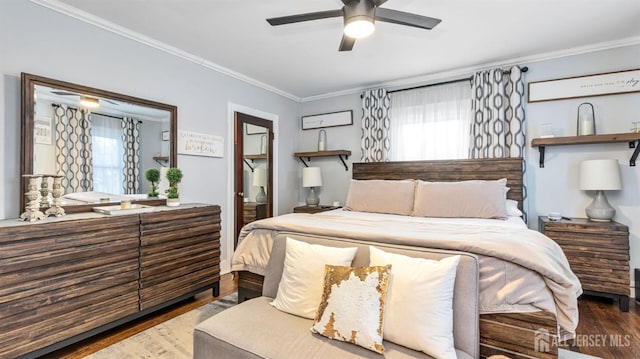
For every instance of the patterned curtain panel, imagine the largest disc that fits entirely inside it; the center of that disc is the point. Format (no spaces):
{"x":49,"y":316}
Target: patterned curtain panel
{"x":375,"y":126}
{"x":131,"y":143}
{"x":73,"y":148}
{"x":497,"y":130}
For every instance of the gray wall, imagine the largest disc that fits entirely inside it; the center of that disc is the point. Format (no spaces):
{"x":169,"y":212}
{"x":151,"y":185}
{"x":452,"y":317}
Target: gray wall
{"x":555,"y":187}
{"x":40,"y":41}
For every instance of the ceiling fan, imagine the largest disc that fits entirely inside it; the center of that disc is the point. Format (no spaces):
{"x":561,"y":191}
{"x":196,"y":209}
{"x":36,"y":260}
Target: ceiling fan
{"x":359,"y":18}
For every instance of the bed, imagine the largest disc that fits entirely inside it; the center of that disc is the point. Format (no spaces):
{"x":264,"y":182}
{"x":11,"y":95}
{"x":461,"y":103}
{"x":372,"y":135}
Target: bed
{"x":528,"y":292}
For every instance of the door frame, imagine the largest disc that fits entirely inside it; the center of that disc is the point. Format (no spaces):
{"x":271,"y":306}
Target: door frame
{"x":242,"y":119}
{"x":228,"y":230}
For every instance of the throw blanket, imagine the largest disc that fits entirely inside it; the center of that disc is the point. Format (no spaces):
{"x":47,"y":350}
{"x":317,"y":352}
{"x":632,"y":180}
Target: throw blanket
{"x":528,"y":254}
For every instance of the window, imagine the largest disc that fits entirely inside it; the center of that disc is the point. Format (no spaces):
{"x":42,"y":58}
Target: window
{"x":431,"y":123}
{"x":108,"y":156}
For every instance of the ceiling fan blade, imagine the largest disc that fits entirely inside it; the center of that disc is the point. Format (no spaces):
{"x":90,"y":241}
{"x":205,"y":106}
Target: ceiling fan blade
{"x":379,"y":2}
{"x":348,"y":1}
{"x":275,"y":21}
{"x":405,"y":18}
{"x":109,"y":101}
{"x":347,"y":43}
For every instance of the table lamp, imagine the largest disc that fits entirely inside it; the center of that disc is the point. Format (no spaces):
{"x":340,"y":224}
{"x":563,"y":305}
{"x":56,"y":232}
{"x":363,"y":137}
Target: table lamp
{"x":312,"y":178}
{"x":600,"y":176}
{"x":260,"y":180}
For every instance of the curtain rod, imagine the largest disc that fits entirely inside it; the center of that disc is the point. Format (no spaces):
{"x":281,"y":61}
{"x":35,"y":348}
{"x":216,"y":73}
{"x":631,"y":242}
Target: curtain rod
{"x":524,"y":69}
{"x":112,"y":116}
{"x":94,"y":113}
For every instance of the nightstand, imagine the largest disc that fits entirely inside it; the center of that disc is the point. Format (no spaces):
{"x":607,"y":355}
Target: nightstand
{"x":313,"y":209}
{"x":598,"y":253}
{"x":253,"y":211}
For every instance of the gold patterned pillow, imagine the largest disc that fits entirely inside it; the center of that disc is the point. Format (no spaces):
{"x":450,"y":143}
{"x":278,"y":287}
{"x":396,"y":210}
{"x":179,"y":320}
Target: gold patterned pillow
{"x":352,"y":305}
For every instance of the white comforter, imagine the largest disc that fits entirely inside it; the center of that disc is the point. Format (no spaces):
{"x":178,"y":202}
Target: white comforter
{"x":520,"y":270}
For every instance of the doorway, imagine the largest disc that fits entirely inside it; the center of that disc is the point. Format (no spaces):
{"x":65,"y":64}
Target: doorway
{"x":253,"y":170}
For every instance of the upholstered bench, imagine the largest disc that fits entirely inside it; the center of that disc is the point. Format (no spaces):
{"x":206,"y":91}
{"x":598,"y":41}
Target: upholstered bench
{"x":255,"y":329}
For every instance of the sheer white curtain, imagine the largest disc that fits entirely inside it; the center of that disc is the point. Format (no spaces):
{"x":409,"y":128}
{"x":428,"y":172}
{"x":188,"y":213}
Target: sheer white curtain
{"x":431,"y":123}
{"x":108,"y":154}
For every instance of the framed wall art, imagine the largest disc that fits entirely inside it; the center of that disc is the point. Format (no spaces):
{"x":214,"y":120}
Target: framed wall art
{"x":610,"y":83}
{"x":42,"y":130}
{"x":342,"y":118}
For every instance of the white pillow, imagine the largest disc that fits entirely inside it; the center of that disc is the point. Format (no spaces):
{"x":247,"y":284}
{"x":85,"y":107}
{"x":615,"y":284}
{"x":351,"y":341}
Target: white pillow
{"x":512,"y":208}
{"x":419,"y":308}
{"x":300,"y":289}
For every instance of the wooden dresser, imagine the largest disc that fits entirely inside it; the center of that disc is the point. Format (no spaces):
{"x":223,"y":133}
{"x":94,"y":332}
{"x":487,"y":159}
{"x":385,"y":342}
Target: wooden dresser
{"x":64,"y":279}
{"x":598,"y":253}
{"x":254,"y":211}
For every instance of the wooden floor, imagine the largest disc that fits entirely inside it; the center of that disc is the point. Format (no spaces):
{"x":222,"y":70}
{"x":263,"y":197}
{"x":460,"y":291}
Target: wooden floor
{"x":601,"y":324}
{"x":606,"y":332}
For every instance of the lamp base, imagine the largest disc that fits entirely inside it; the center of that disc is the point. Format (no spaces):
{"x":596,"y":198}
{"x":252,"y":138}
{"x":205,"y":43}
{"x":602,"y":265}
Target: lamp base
{"x":600,"y":210}
{"x":261,"y":197}
{"x":312,"y":199}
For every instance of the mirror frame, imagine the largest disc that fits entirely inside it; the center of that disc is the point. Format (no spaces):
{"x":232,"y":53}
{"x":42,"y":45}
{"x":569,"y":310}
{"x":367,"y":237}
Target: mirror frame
{"x":29,"y":81}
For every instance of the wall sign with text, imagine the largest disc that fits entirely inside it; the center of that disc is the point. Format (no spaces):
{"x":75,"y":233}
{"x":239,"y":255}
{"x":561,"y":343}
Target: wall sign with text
{"x":611,"y":83}
{"x":200,"y":144}
{"x":342,"y":118}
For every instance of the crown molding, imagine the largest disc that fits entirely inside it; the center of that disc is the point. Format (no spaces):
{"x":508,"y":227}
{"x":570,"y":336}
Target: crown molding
{"x":84,"y":16}
{"x":466,"y":71}
{"x":406,"y":82}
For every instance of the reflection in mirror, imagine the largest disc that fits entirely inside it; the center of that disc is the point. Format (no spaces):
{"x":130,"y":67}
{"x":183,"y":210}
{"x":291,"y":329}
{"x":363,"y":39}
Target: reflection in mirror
{"x":101,"y":142}
{"x":256,"y":169}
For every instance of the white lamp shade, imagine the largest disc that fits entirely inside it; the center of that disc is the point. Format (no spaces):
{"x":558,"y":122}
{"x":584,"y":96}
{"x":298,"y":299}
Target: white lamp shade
{"x":311,"y":177}
{"x":259,"y":177}
{"x":600,"y":175}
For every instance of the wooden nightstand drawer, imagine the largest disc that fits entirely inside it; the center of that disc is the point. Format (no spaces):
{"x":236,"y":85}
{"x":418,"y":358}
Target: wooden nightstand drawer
{"x":598,"y":253}
{"x":253,"y":211}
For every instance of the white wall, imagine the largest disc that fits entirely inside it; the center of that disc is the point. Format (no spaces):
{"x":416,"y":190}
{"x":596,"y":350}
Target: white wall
{"x":335,"y":179}
{"x":555,"y":187}
{"x":40,"y":41}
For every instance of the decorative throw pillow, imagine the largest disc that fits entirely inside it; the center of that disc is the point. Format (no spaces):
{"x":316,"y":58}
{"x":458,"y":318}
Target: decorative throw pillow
{"x":352,"y":306}
{"x":465,"y":199}
{"x":512,"y":208}
{"x":381,"y":196}
{"x":300,"y":289}
{"x":419,"y":308}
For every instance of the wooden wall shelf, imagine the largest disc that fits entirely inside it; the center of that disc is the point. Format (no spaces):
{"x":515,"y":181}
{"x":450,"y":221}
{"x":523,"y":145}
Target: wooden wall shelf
{"x":162,"y":160}
{"x":339,"y":153}
{"x":253,"y":158}
{"x":632,"y":138}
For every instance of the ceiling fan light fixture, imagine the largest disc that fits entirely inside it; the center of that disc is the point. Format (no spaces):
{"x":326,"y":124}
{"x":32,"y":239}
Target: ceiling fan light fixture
{"x":358,"y":27}
{"x":90,"y":102}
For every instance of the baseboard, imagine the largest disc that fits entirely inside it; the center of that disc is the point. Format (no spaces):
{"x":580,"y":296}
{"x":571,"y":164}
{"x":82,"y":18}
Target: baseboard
{"x":225,"y":266}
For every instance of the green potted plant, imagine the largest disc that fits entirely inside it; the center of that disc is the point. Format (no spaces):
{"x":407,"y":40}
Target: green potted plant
{"x":153,"y":175}
{"x":174,"y":175}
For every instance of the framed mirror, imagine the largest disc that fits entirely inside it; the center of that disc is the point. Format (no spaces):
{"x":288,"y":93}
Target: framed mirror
{"x":102,"y":142}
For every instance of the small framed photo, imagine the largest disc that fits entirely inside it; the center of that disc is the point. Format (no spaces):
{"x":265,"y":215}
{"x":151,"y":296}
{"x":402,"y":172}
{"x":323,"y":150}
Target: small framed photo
{"x":342,"y":118}
{"x":165,"y":135}
{"x":42,"y":130}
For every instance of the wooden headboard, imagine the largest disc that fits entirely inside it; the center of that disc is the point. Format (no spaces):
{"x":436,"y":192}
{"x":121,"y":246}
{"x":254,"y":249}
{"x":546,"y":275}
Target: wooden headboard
{"x":448,"y":170}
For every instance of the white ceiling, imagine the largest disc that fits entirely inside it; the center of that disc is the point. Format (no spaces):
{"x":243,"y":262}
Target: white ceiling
{"x":302,"y":60}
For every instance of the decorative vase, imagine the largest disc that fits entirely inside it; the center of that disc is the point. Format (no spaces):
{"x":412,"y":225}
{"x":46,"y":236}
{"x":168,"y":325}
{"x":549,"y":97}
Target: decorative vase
{"x":322,"y":140}
{"x":173,"y":202}
{"x":586,"y":120}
